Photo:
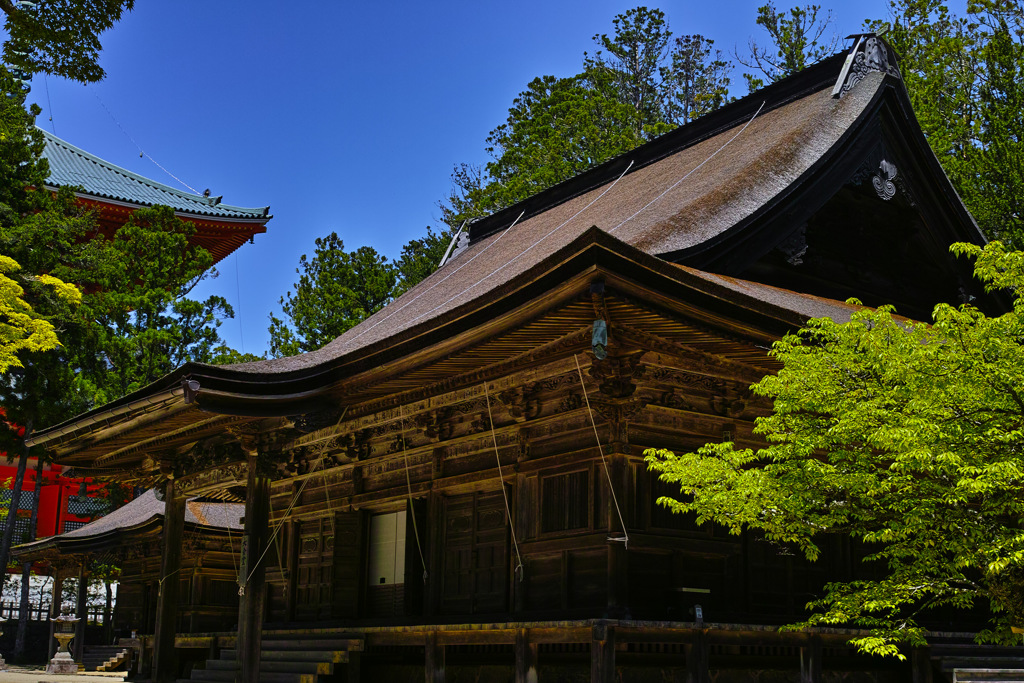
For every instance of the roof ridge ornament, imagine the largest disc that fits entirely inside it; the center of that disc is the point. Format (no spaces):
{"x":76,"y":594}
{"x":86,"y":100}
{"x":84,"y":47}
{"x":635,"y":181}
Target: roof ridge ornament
{"x":869,"y":53}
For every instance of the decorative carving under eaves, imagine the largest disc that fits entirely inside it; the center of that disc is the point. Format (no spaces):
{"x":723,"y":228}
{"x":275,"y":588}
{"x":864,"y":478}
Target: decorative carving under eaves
{"x":521,"y":402}
{"x":435,"y":423}
{"x":356,"y":445}
{"x":617,"y":375}
{"x":480,"y":423}
{"x":794,"y":248}
{"x":682,"y":378}
{"x":882,"y":181}
{"x":522,"y":445}
{"x":321,"y":419}
{"x":675,"y":400}
{"x":571,"y":401}
{"x":728,"y":406}
{"x":871,"y":54}
{"x":218,"y":477}
{"x":246,"y":433}
{"x":206,"y":454}
{"x":885,"y":178}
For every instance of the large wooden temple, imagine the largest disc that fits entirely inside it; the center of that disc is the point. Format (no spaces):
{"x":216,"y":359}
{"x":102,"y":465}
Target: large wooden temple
{"x":455,"y":489}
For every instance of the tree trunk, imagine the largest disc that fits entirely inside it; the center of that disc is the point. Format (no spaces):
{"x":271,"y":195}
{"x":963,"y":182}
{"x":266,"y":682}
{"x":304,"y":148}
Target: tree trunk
{"x":12,"y":511}
{"x":26,"y":571}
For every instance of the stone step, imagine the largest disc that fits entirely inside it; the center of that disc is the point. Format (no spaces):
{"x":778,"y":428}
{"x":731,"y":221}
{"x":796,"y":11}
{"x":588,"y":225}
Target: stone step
{"x":209,"y":676}
{"x":299,"y":642}
{"x":333,"y":656}
{"x":273,"y":666}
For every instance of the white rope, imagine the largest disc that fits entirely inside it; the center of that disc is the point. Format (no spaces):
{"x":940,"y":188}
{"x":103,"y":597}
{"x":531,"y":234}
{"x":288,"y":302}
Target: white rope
{"x":691,"y":171}
{"x":604,"y":461}
{"x":431,"y":287}
{"x":508,"y":510}
{"x":141,"y":151}
{"x":287,"y":512}
{"x":525,"y":251}
{"x":408,"y":484}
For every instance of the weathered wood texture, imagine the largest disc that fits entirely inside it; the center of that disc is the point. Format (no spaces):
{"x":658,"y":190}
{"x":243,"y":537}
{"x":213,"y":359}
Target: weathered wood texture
{"x":168,"y":587}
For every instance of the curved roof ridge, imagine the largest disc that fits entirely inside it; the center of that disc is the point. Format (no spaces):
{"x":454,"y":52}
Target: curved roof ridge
{"x":63,"y":172}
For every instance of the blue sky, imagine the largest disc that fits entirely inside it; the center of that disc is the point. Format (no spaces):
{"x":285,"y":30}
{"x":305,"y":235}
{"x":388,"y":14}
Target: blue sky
{"x":340,"y":115}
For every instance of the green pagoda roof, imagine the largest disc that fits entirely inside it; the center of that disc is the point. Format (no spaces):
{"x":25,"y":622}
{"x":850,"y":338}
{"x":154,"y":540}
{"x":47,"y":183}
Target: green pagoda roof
{"x":71,"y":166}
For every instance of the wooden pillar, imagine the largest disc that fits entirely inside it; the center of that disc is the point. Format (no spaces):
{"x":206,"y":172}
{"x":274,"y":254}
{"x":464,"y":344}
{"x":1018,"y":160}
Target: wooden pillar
{"x":921,"y":665}
{"x":165,"y":663}
{"x":291,"y":586}
{"x":697,"y":659}
{"x":352,"y":673}
{"x":81,"y":607}
{"x":526,"y":658}
{"x":58,"y":586}
{"x":433,"y":661}
{"x":602,"y":654}
{"x":618,"y":564}
{"x":810,"y":661}
{"x":253,"y":570}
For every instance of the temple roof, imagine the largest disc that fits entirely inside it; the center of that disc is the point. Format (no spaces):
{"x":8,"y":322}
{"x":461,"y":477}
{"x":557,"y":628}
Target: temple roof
{"x":138,"y":514}
{"x":72,"y":166}
{"x":749,"y":221}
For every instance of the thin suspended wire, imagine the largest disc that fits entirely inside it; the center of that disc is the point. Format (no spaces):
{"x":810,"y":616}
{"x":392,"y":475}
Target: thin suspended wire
{"x":49,"y":107}
{"x":604,"y":461}
{"x":238,"y":292}
{"x":234,"y":560}
{"x":288,"y":512}
{"x":508,"y":509}
{"x":690,"y":172}
{"x":431,"y":287}
{"x":524,"y":252}
{"x":327,"y":498}
{"x":142,"y":152}
{"x":408,"y":484}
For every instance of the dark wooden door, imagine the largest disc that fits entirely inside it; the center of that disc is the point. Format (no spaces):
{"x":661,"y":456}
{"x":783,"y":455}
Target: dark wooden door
{"x":475,"y":554}
{"x":316,"y":569}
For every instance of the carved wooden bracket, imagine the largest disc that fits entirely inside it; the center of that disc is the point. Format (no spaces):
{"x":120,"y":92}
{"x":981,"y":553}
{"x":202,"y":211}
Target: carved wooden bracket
{"x":617,"y":375}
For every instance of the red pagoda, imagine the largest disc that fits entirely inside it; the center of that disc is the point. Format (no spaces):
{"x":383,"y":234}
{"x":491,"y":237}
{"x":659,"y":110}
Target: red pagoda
{"x":67,"y":503}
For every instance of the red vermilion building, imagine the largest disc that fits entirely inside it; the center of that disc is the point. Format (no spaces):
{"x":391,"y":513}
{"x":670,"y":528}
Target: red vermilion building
{"x":114,"y":193}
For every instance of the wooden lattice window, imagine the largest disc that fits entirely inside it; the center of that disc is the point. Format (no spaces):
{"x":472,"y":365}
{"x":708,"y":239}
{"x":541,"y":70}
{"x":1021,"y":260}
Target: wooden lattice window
{"x":564,"y":502}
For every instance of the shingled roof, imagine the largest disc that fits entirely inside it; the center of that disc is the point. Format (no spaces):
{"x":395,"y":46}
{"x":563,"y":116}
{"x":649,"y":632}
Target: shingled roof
{"x":138,"y":514}
{"x":74,"y":167}
{"x":726,"y":188}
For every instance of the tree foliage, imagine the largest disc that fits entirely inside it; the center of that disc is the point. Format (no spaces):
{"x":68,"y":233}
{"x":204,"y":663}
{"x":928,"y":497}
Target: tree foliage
{"x":965,"y":77}
{"x":22,"y":329}
{"x":636,"y":86}
{"x":907,"y":436}
{"x":799,"y":36}
{"x":338,"y":289}
{"x":60,"y":37}
{"x":144,"y":324}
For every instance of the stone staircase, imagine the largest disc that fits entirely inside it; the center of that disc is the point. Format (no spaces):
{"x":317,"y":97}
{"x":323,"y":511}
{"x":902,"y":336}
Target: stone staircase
{"x":287,"y":657}
{"x":104,"y":658}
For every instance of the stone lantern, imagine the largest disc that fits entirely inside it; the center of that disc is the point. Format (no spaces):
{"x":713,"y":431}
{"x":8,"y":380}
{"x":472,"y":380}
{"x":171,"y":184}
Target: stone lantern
{"x":64,"y":632}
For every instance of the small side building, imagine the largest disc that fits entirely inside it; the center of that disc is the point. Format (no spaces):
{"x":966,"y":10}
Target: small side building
{"x":130,"y":538}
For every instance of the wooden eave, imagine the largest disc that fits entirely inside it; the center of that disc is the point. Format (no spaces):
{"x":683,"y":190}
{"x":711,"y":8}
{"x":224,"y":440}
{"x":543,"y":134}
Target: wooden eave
{"x":810,"y":80}
{"x":888,"y":121}
{"x":649,"y":302}
{"x":218,"y":235}
{"x":58,"y":546}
